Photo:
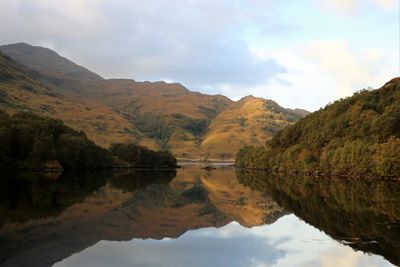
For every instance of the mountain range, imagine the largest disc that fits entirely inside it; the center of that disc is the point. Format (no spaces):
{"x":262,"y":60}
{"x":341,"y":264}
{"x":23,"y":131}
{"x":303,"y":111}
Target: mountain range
{"x":157,"y":115}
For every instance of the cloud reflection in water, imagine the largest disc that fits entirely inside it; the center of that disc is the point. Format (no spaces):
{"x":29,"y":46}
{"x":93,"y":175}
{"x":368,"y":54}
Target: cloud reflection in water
{"x":287,"y":242}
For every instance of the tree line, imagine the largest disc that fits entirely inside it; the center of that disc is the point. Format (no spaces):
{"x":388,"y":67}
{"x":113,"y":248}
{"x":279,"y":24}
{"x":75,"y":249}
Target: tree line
{"x":29,"y":141}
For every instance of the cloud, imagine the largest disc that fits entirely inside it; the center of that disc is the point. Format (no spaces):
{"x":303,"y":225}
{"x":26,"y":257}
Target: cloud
{"x":192,"y":249}
{"x":198,"y":43}
{"x":323,"y":71}
{"x":351,"y":69}
{"x":345,"y":257}
{"x":349,"y":7}
{"x":213,"y":46}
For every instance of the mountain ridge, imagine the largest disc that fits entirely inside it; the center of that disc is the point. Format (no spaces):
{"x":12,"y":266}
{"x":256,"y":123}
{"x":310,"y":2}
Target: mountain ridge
{"x":166,"y":115}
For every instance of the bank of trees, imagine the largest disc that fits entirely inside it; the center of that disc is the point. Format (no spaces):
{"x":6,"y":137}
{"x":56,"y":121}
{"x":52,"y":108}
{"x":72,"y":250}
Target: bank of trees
{"x":359,"y":135}
{"x":28,"y":141}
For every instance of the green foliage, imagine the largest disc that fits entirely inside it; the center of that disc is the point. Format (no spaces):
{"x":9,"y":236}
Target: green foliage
{"x":30,"y":141}
{"x":142,"y":157}
{"x":154,"y":126}
{"x":197,"y":127}
{"x":251,"y":157}
{"x":356,"y":136}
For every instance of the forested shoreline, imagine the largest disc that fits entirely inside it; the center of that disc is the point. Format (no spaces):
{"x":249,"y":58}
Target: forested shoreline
{"x":356,"y":137}
{"x":31,"y":142}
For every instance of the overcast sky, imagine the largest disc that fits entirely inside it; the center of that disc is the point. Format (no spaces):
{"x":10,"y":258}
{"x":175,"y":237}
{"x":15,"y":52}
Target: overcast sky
{"x":299,"y":53}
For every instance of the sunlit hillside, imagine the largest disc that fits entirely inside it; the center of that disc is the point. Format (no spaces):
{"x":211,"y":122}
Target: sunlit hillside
{"x":158,"y":115}
{"x":19,"y":90}
{"x":251,"y":120}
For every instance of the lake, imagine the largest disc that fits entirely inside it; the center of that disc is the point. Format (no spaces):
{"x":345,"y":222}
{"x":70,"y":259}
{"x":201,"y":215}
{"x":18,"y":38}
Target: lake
{"x":194,"y":217}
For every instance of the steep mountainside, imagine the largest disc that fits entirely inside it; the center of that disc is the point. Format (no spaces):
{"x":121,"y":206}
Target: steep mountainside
{"x":251,"y":120}
{"x":357,"y":136}
{"x":156,"y":114}
{"x":19,"y":90}
{"x":48,"y":62}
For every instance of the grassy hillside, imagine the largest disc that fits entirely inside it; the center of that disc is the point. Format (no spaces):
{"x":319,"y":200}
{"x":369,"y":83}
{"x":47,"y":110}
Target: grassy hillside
{"x":153,"y":114}
{"x":356,"y":136}
{"x":251,"y":120}
{"x":21,"y":91}
{"x":170,"y":114}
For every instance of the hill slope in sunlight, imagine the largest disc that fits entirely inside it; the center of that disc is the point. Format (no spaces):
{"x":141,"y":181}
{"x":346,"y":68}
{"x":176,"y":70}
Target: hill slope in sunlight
{"x":251,"y":120}
{"x":19,"y":90}
{"x":155,"y":114}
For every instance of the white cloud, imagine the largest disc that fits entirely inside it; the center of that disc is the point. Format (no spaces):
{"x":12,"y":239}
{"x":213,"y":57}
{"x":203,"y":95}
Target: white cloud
{"x":322,"y":71}
{"x":351,"y":69}
{"x":341,"y":6}
{"x":197,"y":43}
{"x":211,"y":46}
{"x":348,"y":7}
{"x":386,"y":4}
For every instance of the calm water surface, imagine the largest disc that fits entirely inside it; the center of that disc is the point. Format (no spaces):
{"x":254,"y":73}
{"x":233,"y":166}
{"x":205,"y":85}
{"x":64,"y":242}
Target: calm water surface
{"x":194,"y":217}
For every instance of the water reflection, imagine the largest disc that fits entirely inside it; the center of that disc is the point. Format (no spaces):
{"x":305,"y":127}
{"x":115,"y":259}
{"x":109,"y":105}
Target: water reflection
{"x":362,"y":214}
{"x":288,"y":242}
{"x":25,"y":196}
{"x":129,"y":205}
{"x":164,"y":218}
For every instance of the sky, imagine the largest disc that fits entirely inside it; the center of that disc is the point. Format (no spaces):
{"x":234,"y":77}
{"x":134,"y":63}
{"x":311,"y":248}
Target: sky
{"x":302,"y":54}
{"x":287,"y":242}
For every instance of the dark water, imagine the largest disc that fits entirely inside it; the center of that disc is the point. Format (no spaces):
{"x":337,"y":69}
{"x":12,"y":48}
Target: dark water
{"x":194,"y":217}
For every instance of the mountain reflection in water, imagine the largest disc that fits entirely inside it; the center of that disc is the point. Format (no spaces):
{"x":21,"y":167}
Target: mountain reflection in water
{"x":193,"y":217}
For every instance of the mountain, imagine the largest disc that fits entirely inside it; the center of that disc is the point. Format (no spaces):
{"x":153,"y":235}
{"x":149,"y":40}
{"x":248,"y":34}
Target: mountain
{"x":251,"y":120}
{"x":170,"y":114}
{"x":358,"y":136}
{"x":48,"y":62}
{"x":20,"y":90}
{"x":155,"y":114}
